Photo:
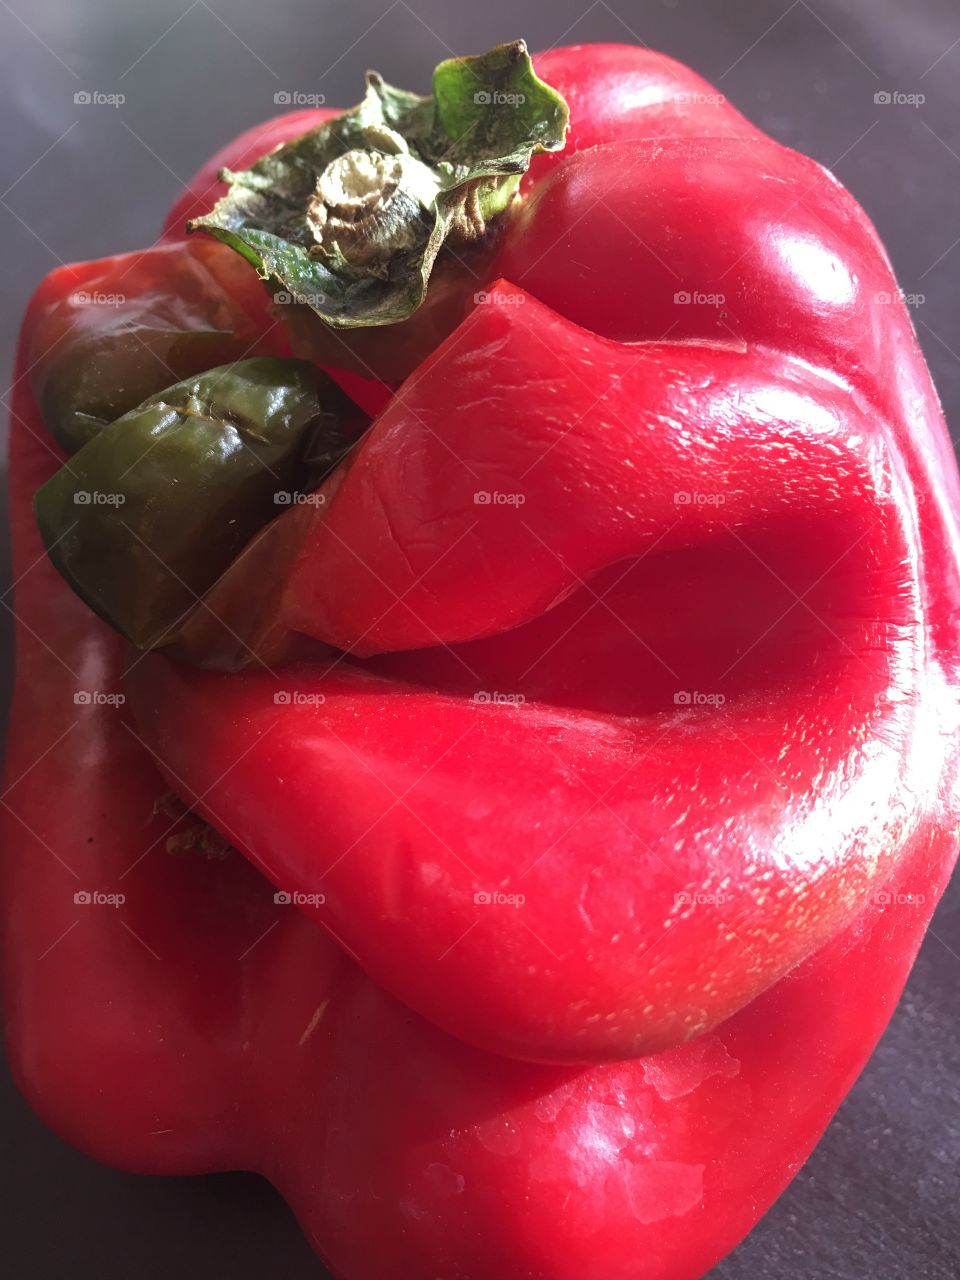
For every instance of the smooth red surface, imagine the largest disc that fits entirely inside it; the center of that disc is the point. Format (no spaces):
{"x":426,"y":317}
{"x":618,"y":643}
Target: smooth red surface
{"x":674,"y":860}
{"x":689,"y":313}
{"x":201,"y":1026}
{"x":810,"y":821}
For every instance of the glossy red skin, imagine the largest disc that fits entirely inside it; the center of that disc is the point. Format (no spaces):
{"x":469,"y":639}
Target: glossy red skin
{"x":802,"y":401}
{"x":199,"y":1026}
{"x":789,"y":825}
{"x":386,"y":1114}
{"x":749,"y":219}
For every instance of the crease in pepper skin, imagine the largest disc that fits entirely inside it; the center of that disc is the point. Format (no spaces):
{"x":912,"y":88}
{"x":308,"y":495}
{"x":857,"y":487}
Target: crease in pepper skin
{"x":414,"y":1153}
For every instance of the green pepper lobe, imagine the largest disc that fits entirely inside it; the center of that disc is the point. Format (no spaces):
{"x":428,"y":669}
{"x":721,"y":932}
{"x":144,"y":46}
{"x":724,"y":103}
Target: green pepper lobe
{"x":147,"y":515}
{"x":90,"y":362}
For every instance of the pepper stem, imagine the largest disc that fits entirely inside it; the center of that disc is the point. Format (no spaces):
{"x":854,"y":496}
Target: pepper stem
{"x":349,"y":218}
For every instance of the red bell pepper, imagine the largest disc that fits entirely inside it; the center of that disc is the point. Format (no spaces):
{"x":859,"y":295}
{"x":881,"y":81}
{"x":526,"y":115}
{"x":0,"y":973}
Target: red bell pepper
{"x":599,"y":712}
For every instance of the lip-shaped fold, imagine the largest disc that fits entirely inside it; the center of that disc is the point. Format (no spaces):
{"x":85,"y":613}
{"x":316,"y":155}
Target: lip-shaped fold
{"x":688,"y":667}
{"x":528,"y":453}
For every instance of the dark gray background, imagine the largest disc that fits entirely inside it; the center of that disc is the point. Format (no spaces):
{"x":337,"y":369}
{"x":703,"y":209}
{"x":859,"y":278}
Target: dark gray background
{"x":878,"y":1199}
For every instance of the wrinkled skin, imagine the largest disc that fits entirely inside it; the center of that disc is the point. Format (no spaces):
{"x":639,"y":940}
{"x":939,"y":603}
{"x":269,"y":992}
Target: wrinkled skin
{"x":812,"y":816}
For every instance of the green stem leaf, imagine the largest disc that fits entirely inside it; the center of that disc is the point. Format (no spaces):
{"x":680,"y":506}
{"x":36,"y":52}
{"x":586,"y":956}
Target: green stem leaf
{"x":348,"y":219}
